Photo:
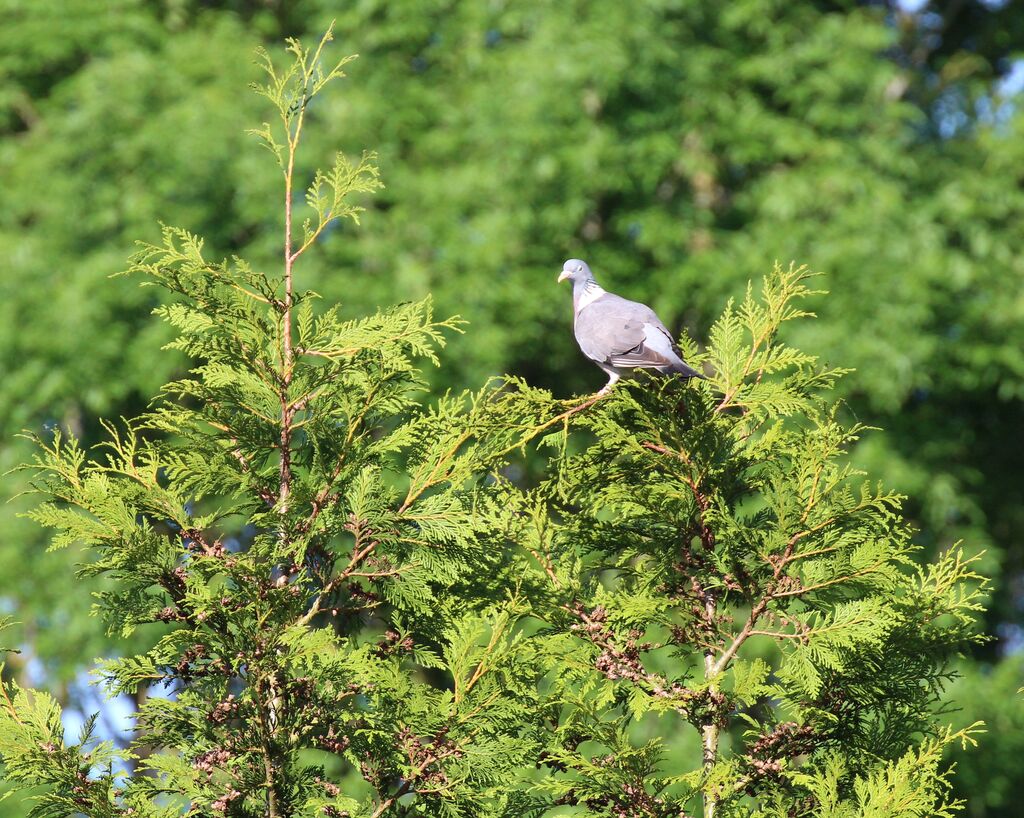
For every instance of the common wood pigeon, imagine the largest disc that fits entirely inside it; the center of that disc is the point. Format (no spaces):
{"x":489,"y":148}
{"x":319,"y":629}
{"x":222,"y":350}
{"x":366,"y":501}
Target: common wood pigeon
{"x":616,"y":334}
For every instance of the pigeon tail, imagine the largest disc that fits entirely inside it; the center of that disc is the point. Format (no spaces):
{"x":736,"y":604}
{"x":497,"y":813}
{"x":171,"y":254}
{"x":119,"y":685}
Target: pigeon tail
{"x":684,"y":370}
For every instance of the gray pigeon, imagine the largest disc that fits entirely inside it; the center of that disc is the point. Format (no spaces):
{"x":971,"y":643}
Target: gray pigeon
{"x":616,"y":334}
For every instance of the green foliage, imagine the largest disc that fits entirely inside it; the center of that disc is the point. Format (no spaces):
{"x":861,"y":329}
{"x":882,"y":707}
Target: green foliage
{"x":676,"y":146}
{"x":79,"y":778}
{"x":312,"y":564}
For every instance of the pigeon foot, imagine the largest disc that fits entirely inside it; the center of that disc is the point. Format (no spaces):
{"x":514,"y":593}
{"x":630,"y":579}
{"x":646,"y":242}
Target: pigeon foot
{"x":607,"y":388}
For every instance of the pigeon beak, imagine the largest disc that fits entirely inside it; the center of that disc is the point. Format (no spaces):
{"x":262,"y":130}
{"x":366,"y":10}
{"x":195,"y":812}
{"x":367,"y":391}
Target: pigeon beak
{"x":562,"y":276}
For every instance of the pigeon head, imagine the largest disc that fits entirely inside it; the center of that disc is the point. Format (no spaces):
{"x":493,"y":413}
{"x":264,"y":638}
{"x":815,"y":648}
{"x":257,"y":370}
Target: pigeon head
{"x":575,"y":270}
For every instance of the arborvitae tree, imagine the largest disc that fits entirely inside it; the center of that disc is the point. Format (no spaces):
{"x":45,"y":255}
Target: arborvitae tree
{"x":736,"y":618}
{"x":301,"y":542}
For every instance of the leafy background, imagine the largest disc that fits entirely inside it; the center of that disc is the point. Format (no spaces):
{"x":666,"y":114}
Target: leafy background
{"x":680,"y":146}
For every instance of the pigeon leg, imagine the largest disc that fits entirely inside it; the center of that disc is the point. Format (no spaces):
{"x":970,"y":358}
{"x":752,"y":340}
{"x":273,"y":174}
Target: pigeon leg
{"x":613,"y":378}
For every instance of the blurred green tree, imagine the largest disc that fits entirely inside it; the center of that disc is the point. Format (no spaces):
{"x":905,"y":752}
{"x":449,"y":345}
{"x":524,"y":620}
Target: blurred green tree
{"x":675,"y":145}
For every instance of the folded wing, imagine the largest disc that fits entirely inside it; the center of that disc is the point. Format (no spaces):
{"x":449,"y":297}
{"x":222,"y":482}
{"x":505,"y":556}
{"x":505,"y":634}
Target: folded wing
{"x":627,"y":335}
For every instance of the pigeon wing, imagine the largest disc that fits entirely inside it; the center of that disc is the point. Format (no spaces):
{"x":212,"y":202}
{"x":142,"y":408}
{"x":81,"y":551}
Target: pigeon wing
{"x":625,"y":334}
{"x":611,"y":330}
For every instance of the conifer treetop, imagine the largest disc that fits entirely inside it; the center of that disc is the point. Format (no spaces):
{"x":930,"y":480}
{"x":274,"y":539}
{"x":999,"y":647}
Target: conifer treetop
{"x":712,"y":560}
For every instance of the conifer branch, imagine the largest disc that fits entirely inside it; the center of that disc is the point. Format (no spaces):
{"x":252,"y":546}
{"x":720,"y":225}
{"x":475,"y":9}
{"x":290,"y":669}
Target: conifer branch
{"x":497,"y":632}
{"x":438,"y":472}
{"x":709,"y":731}
{"x":266,"y":748}
{"x":243,"y":462}
{"x":764,"y":336}
{"x":8,"y":704}
{"x":525,"y":435}
{"x":362,"y":547}
{"x":720,"y":663}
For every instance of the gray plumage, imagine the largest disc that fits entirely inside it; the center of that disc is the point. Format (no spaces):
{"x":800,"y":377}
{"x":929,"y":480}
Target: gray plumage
{"x":619,"y":335}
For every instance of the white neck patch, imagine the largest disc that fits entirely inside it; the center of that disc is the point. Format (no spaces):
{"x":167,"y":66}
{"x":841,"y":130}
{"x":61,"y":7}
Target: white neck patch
{"x":591,"y":292}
